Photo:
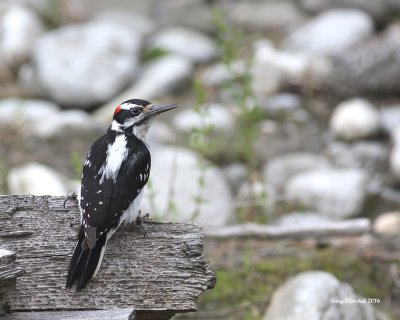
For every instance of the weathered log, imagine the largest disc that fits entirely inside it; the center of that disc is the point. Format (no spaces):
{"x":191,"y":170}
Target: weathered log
{"x":112,"y":314}
{"x":160,"y":275}
{"x":320,"y":230}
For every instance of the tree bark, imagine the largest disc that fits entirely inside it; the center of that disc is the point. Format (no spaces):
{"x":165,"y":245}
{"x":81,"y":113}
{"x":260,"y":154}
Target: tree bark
{"x":159,"y":276}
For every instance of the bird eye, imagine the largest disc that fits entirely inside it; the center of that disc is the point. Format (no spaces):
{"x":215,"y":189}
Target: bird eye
{"x":135,"y":111}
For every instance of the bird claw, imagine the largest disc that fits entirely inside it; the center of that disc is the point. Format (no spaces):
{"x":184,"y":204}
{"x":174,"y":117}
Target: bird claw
{"x":70,"y":196}
{"x":139,"y":222}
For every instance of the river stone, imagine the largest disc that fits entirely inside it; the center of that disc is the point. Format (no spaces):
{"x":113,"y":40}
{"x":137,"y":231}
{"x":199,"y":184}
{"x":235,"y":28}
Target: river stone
{"x":334,"y":193}
{"x":84,"y":65}
{"x":36,"y":179}
{"x":175,"y":186}
{"x":318,"y":295}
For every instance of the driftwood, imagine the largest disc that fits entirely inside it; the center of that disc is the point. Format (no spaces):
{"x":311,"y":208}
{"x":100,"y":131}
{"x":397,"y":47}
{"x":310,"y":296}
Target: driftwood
{"x":320,"y":230}
{"x":157,"y":276}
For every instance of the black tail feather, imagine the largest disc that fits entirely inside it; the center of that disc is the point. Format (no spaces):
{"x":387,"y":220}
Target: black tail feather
{"x":84,"y":262}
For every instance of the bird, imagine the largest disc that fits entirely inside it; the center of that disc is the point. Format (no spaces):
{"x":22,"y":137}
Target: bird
{"x":115,"y":171}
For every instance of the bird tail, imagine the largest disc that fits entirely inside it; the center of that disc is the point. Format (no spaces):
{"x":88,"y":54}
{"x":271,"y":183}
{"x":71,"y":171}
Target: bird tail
{"x":85,"y":262}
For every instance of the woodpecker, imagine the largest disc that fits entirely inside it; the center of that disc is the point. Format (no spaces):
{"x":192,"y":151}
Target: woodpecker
{"x":116,"y":169}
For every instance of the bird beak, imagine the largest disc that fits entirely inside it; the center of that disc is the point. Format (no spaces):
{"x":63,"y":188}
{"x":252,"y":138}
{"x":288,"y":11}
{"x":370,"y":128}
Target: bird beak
{"x":154,"y":110}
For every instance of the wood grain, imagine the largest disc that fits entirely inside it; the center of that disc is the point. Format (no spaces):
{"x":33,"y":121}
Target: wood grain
{"x":164,"y":272}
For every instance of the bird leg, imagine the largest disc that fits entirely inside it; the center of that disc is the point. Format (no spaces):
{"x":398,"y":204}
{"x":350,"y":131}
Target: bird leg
{"x":139,"y":222}
{"x":70,"y":196}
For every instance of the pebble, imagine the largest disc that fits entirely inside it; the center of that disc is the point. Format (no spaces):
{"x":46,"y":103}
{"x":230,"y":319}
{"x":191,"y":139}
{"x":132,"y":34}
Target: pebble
{"x":176,"y":187}
{"x":334,"y":193}
{"x":189,"y":43}
{"x":355,"y":119}
{"x":330,"y":32}
{"x":36,"y":179}
{"x":314,"y":295}
{"x":87,"y":64}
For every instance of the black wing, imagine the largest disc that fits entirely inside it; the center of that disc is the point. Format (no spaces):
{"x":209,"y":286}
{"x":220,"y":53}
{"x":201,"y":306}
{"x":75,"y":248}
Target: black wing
{"x":103,"y":201}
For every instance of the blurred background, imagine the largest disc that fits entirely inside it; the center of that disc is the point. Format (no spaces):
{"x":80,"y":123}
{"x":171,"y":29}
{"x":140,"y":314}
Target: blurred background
{"x":289,"y":117}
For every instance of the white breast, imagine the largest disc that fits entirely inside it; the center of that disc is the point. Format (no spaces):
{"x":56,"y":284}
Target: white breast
{"x":116,"y":153}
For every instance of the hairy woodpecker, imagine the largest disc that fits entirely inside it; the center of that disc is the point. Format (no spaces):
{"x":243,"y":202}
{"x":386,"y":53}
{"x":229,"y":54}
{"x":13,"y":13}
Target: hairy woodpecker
{"x":116,"y":169}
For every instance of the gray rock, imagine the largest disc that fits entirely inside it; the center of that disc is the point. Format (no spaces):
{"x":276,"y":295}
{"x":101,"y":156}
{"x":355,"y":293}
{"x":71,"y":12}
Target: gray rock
{"x":235,"y":174}
{"x":318,"y":295}
{"x":172,"y":195}
{"x":71,"y":120}
{"x":25,"y":114}
{"x":370,"y":68}
{"x":83,"y":65}
{"x":282,"y":103}
{"x":331,"y":31}
{"x":390,"y":118}
{"x":189,"y":43}
{"x":368,"y":155}
{"x":175,"y":70}
{"x":279,"y":170}
{"x":36,"y":179}
{"x":335,"y":193}
{"x":218,"y":73}
{"x":215,"y":115}
{"x":44,"y":119}
{"x":20,"y":28}
{"x":272,"y":67}
{"x":379,"y":9}
{"x":135,"y":22}
{"x":355,"y":119}
{"x":266,"y":15}
{"x":395,"y":154}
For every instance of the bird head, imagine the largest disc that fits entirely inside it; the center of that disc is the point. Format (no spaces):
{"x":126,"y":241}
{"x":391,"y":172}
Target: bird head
{"x":135,"y":116}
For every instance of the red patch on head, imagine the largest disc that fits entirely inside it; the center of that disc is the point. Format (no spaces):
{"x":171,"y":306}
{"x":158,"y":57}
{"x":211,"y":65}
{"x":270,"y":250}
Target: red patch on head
{"x":117,"y":109}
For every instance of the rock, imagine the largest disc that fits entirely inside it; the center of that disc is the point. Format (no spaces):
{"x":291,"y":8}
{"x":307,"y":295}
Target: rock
{"x":331,"y":32}
{"x":316,"y":295}
{"x":390,"y":118}
{"x":395,"y":155}
{"x":235,"y":174}
{"x":135,"y":22}
{"x":387,"y":224}
{"x":335,"y":193}
{"x":215,"y":115}
{"x":172,"y":198}
{"x":301,"y":219}
{"x":355,"y":119}
{"x":368,"y":155}
{"x":24,"y":115}
{"x":271,"y":68}
{"x":71,"y":120}
{"x":189,"y":43}
{"x":44,"y":119}
{"x":279,"y":170}
{"x":370,"y":68}
{"x":266,"y":15}
{"x":284,"y":136}
{"x":20,"y":28}
{"x":377,"y":8}
{"x":282,"y":103}
{"x":36,"y":179}
{"x":83,"y":65}
{"x":161,"y":133}
{"x":218,"y":73}
{"x":175,"y":70}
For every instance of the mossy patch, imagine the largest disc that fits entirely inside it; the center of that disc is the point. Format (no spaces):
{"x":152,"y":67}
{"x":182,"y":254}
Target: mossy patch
{"x":247,"y":289}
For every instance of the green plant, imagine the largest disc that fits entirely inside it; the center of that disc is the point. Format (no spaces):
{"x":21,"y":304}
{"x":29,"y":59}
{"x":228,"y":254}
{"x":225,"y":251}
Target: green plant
{"x":201,"y":142}
{"x":239,"y":86}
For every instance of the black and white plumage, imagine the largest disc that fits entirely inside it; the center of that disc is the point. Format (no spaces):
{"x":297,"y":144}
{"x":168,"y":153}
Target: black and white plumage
{"x":116,"y":169}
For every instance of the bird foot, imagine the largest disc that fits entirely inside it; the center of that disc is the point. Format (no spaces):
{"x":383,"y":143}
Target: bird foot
{"x":139,"y":222}
{"x":70,"y":196}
